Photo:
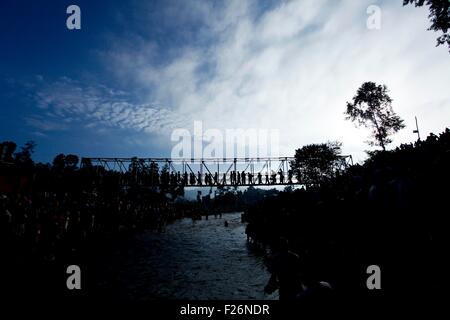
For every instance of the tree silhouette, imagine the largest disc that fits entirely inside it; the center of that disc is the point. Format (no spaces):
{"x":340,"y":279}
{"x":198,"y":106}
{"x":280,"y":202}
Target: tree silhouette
{"x":7,"y":149}
{"x":59,"y":162}
{"x":314,"y":163}
{"x":439,"y":17}
{"x":71,"y":161}
{"x":24,"y":155}
{"x":371,"y":107}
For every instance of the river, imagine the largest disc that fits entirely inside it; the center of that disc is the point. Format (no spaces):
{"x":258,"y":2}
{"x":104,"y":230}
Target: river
{"x":201,"y":259}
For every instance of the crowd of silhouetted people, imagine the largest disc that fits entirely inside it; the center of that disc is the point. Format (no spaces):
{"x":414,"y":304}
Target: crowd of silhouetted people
{"x":232,"y":178}
{"x":50,"y":227}
{"x":44,"y":232}
{"x":51,"y":223}
{"x":391,"y":212}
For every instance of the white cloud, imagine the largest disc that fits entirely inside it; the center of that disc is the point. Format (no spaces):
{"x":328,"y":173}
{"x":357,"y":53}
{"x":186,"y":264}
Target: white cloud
{"x":69,"y":101}
{"x":294,"y":67}
{"x":291,"y":67}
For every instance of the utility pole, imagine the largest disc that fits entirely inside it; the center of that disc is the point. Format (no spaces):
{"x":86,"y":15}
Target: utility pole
{"x":417,"y":130}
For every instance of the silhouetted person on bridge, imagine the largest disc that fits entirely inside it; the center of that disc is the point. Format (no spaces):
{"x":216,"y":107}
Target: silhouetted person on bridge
{"x":199,"y":178}
{"x":273,"y":178}
{"x":281,"y":176}
{"x":290,"y":176}
{"x":210,"y":178}
{"x":243,"y":177}
{"x":259,"y":178}
{"x":211,"y":181}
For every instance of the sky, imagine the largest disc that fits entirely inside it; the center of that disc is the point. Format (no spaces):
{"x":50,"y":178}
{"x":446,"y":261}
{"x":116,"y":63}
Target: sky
{"x":138,"y":70}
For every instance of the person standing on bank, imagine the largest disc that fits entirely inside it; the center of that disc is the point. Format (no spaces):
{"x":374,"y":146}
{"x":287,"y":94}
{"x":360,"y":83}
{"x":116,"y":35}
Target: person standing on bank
{"x":285,"y":271}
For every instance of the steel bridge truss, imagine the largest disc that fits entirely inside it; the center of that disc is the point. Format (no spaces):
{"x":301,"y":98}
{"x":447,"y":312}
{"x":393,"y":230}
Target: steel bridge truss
{"x":207,"y":171}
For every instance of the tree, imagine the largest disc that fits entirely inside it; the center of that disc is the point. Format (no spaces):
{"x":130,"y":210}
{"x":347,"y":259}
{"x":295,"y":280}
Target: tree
{"x":7,"y":149}
{"x":59,"y":162}
{"x":314,"y":163}
{"x":439,"y":17}
{"x":24,"y":155}
{"x":71,"y":161}
{"x":371,"y":107}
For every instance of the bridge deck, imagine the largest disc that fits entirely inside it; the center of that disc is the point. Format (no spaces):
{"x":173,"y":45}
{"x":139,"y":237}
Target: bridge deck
{"x":205,"y":172}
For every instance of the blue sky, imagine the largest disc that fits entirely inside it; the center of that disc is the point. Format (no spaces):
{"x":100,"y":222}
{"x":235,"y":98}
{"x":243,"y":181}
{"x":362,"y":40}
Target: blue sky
{"x":139,"y":69}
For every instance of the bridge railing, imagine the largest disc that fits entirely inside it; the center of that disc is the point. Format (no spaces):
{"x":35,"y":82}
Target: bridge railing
{"x":204,"y":171}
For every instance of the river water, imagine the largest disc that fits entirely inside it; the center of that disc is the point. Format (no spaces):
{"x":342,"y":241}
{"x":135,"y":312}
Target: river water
{"x":201,"y":259}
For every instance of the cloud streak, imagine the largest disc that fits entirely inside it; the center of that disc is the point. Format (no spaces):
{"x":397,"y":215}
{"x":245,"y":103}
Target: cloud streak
{"x":68,"y":101}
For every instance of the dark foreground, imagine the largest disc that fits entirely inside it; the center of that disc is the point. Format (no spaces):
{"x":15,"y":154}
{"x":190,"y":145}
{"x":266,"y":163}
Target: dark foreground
{"x":188,"y":259}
